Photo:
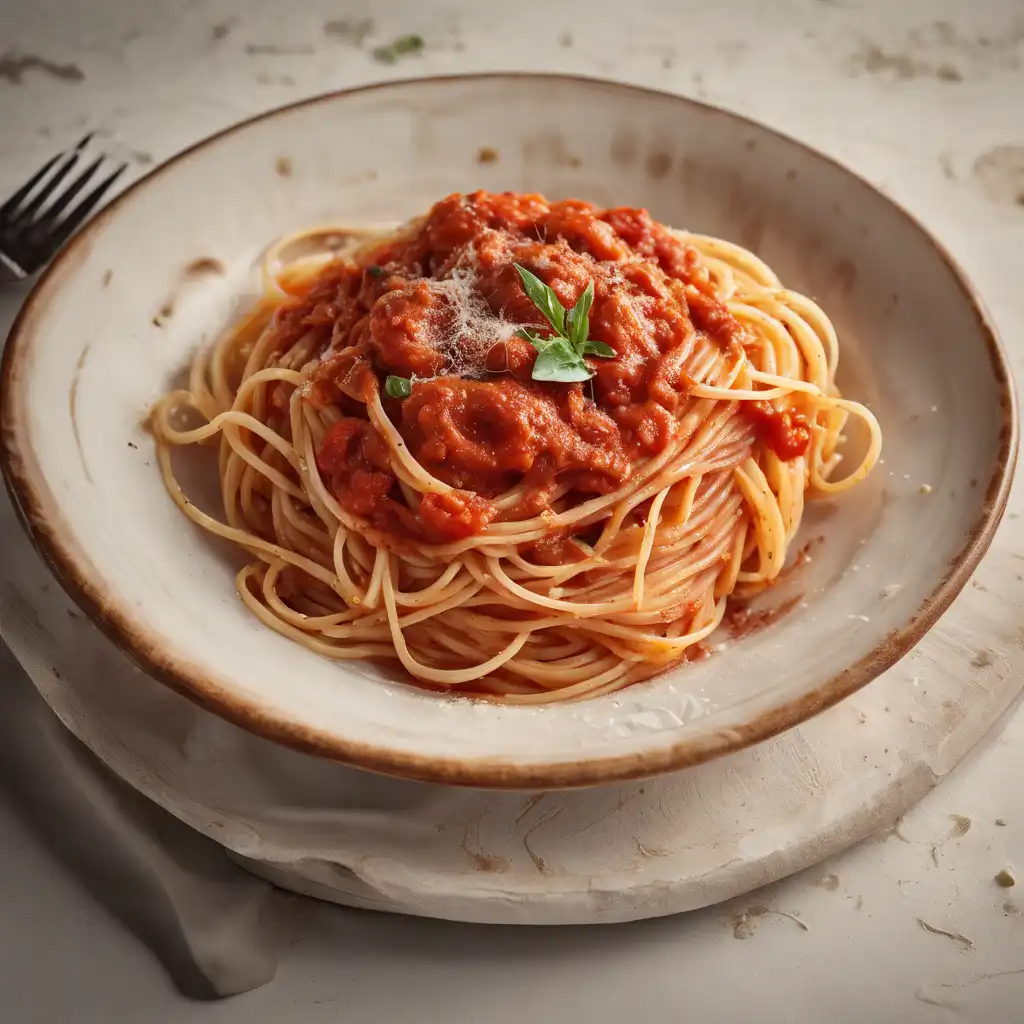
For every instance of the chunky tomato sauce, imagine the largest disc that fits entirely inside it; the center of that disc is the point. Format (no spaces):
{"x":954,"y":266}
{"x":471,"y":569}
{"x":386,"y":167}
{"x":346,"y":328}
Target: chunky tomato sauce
{"x":785,"y":431}
{"x":431,"y":306}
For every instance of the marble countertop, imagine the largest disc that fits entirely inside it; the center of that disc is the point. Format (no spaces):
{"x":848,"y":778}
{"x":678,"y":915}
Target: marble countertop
{"x":922,"y":98}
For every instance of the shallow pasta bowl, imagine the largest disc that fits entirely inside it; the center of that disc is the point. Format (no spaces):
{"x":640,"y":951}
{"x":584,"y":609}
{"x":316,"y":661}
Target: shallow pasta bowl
{"x":166,"y":266}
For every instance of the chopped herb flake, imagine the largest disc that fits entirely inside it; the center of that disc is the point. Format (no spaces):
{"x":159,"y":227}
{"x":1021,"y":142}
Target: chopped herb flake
{"x":398,"y":387}
{"x":400,"y":47}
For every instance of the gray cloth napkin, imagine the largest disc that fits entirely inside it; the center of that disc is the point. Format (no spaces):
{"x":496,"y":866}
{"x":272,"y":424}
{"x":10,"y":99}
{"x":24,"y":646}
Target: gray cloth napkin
{"x":214,"y":927}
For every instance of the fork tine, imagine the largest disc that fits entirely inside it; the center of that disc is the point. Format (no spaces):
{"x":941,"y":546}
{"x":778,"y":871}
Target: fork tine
{"x":31,"y":208}
{"x":84,"y":208}
{"x":50,"y":214}
{"x":7,"y":210}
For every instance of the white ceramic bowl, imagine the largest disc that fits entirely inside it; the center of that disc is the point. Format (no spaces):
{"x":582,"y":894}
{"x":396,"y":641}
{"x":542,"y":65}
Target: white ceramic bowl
{"x":166,"y":265}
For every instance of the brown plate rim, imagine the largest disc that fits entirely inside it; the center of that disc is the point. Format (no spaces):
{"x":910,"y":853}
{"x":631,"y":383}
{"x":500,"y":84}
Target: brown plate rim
{"x":71,"y":569}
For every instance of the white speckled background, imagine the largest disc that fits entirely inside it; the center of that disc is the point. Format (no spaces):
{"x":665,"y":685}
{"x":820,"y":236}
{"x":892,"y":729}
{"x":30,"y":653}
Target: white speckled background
{"x":924,"y":99}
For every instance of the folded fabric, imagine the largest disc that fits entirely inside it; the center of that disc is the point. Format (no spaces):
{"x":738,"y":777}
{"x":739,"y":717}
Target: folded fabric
{"x":214,"y":926}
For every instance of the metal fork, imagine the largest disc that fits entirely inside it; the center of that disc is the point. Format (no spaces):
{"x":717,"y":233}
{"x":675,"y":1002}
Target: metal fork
{"x":38,"y":219}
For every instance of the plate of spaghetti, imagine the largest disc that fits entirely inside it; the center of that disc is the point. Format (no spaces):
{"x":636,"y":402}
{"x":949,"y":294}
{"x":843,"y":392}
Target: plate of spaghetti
{"x":511,"y":447}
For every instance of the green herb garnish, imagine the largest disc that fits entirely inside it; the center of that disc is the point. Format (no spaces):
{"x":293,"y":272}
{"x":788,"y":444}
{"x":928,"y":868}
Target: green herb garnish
{"x":398,"y":387}
{"x":375,"y":271}
{"x":560,"y":357}
{"x":398,"y":48}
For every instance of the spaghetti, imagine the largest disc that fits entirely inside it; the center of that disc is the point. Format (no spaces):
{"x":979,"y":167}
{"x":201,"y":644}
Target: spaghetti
{"x":512,"y":538}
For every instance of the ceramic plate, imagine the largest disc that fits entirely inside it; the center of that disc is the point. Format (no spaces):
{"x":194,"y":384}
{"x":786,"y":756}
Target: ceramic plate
{"x":117,"y":316}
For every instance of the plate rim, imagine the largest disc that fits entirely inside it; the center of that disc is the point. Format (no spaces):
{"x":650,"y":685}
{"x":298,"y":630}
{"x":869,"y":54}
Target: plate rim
{"x":52,"y":536}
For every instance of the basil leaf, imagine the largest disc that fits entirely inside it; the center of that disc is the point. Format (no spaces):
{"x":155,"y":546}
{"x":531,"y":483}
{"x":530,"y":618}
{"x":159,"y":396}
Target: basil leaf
{"x":398,"y":387}
{"x":536,"y":340}
{"x":375,"y":271}
{"x":578,"y":320}
{"x":543,"y":298}
{"x":596,"y":348}
{"x":560,"y":357}
{"x":559,"y":361}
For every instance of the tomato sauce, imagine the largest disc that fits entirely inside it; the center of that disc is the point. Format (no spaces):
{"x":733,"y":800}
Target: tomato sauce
{"x":435,"y":306}
{"x":785,"y":431}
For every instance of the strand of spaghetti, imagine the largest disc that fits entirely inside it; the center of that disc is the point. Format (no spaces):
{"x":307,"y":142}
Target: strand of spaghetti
{"x":327,"y":506}
{"x":269,"y":375}
{"x":737,"y":395}
{"x":685,"y":509}
{"x":589,"y":511}
{"x":231,"y":422}
{"x":307,"y":264}
{"x":229,"y":429}
{"x":608,"y":537}
{"x":252,"y":499}
{"x":826,"y":486}
{"x":802,"y":386}
{"x":646,"y":545}
{"x":606,"y":670}
{"x":256,"y":355}
{"x":323,"y":503}
{"x":287,"y":534}
{"x":814,"y":316}
{"x":446,"y":677}
{"x":546,"y":672}
{"x":216,"y":375}
{"x":235,"y":471}
{"x":198,"y":394}
{"x":301,"y":522}
{"x":723,"y":277}
{"x":675,"y":557}
{"x":553,"y":645}
{"x":369,"y":625}
{"x":458,"y":645}
{"x":417,"y":476}
{"x":726,"y":582}
{"x":807,"y":340}
{"x":779,"y":481}
{"x":380,"y":566}
{"x":429,"y":593}
{"x":670,"y":645}
{"x":554,"y":572}
{"x":663,"y":588}
{"x":735,"y":255}
{"x":767,"y":519}
{"x":348,"y":652}
{"x":346,"y":586}
{"x":684,"y":467}
{"x":438,"y":607}
{"x":582,"y":609}
{"x":510,"y":499}
{"x":773,"y":344}
{"x":722,"y":506}
{"x":249,"y":541}
{"x":298,"y":619}
{"x":235,"y":418}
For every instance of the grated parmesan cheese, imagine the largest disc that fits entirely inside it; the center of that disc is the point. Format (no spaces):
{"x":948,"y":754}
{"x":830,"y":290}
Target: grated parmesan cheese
{"x":474,"y":329}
